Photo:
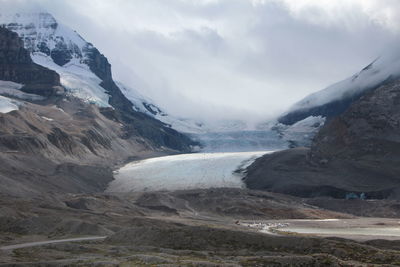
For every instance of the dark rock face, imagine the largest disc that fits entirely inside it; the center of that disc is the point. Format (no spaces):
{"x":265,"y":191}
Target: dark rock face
{"x":370,"y":129}
{"x":61,"y":55}
{"x":136,"y":123}
{"x":16,"y":65}
{"x":357,"y":152}
{"x":98,"y":63}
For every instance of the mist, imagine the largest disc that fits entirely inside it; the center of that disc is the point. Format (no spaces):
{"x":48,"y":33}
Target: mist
{"x":230,"y":59}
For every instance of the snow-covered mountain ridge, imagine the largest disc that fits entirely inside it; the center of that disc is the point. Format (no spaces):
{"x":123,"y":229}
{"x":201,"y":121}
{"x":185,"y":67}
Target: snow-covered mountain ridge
{"x":42,"y":33}
{"x":337,"y":97}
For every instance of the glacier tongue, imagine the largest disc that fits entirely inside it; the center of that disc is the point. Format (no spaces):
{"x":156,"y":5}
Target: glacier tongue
{"x":185,"y":171}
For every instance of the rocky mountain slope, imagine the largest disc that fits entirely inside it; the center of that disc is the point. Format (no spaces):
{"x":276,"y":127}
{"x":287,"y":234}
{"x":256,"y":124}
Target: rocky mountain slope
{"x":311,"y":112}
{"x":16,"y":65}
{"x":357,"y":152}
{"x":53,"y":141}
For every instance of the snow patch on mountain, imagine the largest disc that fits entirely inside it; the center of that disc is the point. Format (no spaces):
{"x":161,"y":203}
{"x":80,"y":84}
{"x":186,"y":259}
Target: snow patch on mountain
{"x":302,"y":132}
{"x":77,"y":78}
{"x":12,"y":90}
{"x":146,"y":105}
{"x":8,"y":105}
{"x":10,"y":85}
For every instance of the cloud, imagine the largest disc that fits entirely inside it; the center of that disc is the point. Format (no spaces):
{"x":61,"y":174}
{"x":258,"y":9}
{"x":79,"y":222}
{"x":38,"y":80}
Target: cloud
{"x":232,"y":58}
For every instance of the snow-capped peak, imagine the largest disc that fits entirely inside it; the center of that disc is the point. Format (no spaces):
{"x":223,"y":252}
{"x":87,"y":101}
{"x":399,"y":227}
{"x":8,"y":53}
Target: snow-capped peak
{"x":57,"y":47}
{"x":380,"y":70}
{"x":42,"y":33}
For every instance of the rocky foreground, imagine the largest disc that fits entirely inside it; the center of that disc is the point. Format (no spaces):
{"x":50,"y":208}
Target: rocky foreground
{"x":182,"y":228}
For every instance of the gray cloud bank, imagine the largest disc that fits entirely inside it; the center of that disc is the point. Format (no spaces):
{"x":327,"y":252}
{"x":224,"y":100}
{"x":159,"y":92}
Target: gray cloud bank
{"x":216,"y":59}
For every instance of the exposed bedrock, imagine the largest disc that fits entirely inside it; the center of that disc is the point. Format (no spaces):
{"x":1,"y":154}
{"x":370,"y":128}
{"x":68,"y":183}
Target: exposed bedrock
{"x":16,"y":65}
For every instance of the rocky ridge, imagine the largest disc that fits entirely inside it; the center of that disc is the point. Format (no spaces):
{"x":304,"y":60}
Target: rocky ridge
{"x":16,"y":65}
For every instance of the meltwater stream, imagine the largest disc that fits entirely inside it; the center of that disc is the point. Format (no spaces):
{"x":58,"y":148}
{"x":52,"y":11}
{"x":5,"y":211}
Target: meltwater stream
{"x":185,"y":171}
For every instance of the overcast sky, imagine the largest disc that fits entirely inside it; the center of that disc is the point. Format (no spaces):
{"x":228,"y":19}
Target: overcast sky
{"x":232,"y":58}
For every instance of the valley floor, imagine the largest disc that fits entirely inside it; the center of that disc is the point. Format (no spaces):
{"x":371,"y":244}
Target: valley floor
{"x":215,"y":226}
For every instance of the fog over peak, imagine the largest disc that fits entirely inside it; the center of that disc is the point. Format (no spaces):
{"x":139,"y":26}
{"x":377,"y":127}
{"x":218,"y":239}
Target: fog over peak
{"x":230,"y":59}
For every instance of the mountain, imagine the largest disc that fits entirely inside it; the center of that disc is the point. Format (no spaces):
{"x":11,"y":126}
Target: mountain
{"x":304,"y":119}
{"x":84,"y":71}
{"x":86,"y":74}
{"x":354,"y":154}
{"x":65,"y":124}
{"x":335,"y":99}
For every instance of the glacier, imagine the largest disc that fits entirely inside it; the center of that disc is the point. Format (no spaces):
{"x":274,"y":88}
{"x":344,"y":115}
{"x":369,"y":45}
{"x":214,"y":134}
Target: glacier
{"x":185,"y":171}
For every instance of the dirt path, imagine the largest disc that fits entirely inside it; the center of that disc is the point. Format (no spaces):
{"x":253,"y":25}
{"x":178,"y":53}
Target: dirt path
{"x":41,"y":243}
